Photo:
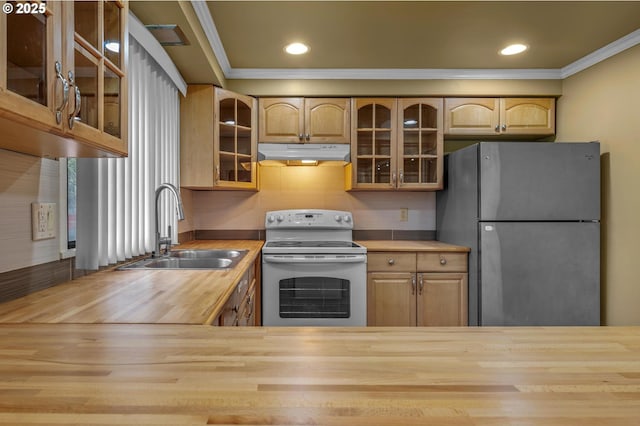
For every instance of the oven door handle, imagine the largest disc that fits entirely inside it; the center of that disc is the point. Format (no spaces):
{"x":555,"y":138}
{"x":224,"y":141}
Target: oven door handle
{"x":358,"y":258}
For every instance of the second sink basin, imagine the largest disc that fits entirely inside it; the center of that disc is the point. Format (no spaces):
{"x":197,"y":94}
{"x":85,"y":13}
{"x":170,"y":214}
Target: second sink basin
{"x":207,"y":254}
{"x":191,"y":259}
{"x":189,"y":263}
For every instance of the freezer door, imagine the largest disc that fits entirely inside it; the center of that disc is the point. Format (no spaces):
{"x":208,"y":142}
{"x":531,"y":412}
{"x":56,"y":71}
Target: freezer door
{"x":539,"y":181}
{"x":534,"y":273}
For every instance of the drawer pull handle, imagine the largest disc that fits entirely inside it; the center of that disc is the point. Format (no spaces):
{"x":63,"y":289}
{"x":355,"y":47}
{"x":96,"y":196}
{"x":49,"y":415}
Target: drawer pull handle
{"x":443,"y":261}
{"x":391,"y":261}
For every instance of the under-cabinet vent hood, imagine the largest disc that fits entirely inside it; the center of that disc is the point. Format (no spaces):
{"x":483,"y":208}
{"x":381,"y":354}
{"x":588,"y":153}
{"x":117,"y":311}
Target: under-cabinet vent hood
{"x":297,"y":152}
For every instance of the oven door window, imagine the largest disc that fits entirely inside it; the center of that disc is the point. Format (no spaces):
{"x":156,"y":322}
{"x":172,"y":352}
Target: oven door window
{"x":314,"y":297}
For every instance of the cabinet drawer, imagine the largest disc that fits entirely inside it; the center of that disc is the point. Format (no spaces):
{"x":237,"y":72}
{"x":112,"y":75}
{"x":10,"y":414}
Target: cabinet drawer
{"x":442,"y":262}
{"x":391,"y":261}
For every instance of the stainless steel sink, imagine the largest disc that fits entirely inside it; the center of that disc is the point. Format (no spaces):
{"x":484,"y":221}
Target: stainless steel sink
{"x":191,"y":259}
{"x":203,"y":254}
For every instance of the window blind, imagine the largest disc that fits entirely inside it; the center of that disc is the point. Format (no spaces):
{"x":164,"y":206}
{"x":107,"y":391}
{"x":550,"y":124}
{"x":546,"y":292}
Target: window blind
{"x":116,"y":196}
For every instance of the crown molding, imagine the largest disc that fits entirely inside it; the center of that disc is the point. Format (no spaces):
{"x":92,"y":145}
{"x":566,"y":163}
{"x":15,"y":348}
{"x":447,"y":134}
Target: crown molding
{"x":206,"y":21}
{"x":393,"y":74}
{"x":601,"y":54}
{"x":204,"y":15}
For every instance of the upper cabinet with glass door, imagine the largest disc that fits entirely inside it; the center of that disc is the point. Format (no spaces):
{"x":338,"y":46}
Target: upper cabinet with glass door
{"x":396,"y":144}
{"x":235,"y":152}
{"x":420,"y":143}
{"x":32,"y":87}
{"x":373,"y":144}
{"x":217,"y":139}
{"x":95,"y":55}
{"x":40,"y":71}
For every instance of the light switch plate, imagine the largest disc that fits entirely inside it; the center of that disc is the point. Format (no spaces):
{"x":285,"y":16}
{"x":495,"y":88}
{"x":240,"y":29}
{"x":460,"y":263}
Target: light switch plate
{"x":43,"y":221}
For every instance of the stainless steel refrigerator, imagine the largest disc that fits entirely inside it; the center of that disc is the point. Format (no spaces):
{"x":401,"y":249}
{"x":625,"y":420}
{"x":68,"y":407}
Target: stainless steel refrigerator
{"x":530,"y":212}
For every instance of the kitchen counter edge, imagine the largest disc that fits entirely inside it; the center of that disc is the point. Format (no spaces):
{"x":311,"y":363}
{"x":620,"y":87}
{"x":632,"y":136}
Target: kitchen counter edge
{"x":411,"y":245}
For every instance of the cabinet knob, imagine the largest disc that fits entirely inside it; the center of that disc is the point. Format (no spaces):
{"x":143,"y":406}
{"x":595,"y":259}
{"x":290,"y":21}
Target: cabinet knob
{"x":497,"y":129}
{"x":391,"y":261}
{"x":504,"y":127}
{"x":301,"y":136}
{"x":443,"y":261}
{"x":308,"y":137}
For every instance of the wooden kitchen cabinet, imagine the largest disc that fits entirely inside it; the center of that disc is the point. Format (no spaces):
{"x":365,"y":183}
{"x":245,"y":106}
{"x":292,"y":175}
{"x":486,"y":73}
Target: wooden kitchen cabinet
{"x":217,"y":139}
{"x":416,"y":289}
{"x":304,"y":120}
{"x":50,"y":60}
{"x":242,"y":307}
{"x":499,"y":116}
{"x":396,"y":144}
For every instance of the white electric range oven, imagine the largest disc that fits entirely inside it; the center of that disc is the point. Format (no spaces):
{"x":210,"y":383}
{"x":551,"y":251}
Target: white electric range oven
{"x":313,"y":274}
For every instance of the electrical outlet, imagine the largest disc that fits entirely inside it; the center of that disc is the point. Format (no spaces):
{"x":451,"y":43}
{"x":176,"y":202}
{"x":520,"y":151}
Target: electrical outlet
{"x":43,"y":221}
{"x":404,"y":214}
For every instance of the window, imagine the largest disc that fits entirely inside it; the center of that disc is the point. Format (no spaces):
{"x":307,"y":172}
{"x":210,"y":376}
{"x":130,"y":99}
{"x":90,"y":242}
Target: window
{"x":67,"y":202}
{"x":71,"y":203}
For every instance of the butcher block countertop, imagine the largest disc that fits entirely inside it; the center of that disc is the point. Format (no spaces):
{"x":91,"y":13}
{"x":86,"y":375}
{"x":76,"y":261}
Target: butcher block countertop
{"x":159,"y":374}
{"x":406,"y":245}
{"x":137,"y":296}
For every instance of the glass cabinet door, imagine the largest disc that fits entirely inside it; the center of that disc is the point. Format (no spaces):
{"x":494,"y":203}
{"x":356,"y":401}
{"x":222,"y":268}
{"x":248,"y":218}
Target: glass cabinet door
{"x":97,"y":72}
{"x":374,"y":143}
{"x":235,"y":141}
{"x":30,"y":49}
{"x":421,"y":143}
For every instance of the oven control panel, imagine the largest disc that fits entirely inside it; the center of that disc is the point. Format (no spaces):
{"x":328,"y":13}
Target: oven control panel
{"x":328,"y":219}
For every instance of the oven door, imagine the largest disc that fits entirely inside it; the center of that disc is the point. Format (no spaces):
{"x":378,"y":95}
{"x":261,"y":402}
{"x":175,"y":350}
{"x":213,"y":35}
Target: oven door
{"x":314,"y":290}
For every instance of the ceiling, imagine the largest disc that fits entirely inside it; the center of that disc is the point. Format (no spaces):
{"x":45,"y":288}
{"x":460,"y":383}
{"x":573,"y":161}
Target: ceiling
{"x":385,"y":37}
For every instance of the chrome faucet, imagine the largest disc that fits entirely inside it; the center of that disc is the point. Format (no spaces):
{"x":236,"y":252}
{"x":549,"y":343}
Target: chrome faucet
{"x":166,"y":241}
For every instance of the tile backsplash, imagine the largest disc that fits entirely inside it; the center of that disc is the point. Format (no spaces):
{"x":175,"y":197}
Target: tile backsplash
{"x":310,"y":187}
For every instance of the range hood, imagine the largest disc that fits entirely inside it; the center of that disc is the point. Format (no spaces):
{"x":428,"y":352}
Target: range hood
{"x":298,"y":152}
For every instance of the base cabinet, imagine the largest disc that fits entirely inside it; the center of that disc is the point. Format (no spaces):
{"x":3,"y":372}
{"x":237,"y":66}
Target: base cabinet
{"x":391,"y":299}
{"x":442,"y":299}
{"x":242,"y":307}
{"x":417,"y":289}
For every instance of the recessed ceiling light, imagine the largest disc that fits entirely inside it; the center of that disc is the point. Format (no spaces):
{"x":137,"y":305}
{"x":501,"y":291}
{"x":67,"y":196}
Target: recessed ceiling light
{"x":296,"y":48}
{"x":513,"y":49}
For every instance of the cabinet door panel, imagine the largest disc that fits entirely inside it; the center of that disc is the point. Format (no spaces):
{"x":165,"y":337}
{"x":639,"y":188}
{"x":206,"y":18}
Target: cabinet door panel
{"x":327,"y":120}
{"x":442,"y":299}
{"x":471,"y":116}
{"x":373,"y":144}
{"x":528,"y":116}
{"x":420,"y":143}
{"x":29,"y":90}
{"x":391,"y":299}
{"x":281,"y":120}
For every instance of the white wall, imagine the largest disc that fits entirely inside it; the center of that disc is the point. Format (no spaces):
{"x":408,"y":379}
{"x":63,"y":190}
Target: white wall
{"x":23,"y":180}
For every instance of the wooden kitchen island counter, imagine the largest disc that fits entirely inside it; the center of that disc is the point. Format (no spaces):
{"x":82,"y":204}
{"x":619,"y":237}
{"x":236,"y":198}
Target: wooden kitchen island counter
{"x":137,"y":296}
{"x":155,"y":374}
